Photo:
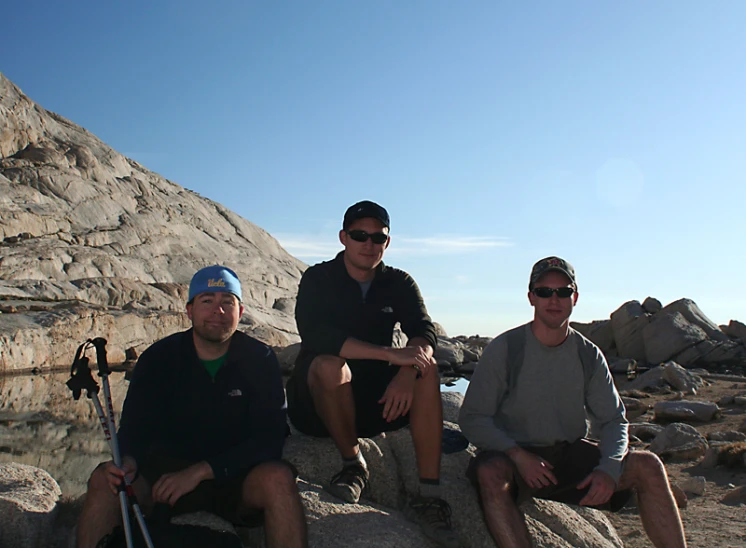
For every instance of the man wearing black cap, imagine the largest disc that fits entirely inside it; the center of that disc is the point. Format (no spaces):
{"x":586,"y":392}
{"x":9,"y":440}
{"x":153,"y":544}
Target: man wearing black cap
{"x":526,"y":409}
{"x":349,"y":382}
{"x":203,"y":426}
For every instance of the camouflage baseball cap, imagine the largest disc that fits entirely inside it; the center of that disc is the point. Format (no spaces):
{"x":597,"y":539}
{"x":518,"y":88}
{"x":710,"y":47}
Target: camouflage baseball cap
{"x":551,"y":263}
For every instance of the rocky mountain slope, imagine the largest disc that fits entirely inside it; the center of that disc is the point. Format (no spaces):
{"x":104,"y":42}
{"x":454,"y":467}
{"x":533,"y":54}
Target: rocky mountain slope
{"x":92,"y":243}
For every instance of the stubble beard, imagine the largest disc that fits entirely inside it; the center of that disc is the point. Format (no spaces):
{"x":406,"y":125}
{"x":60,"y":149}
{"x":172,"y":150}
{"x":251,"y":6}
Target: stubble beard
{"x":214,"y":336}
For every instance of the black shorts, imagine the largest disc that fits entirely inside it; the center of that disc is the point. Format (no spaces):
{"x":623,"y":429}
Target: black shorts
{"x":222,"y":499}
{"x":369,"y":382}
{"x":572,"y":462}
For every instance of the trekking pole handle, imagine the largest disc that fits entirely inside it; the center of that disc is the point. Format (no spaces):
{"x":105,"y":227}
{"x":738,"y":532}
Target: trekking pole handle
{"x":103,"y":365}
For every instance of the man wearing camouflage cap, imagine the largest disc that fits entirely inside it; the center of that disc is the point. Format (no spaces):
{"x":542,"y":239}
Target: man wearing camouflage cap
{"x":526,"y":409}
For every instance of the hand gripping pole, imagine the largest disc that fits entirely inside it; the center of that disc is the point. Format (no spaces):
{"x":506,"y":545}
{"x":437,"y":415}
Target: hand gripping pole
{"x":81,"y":379}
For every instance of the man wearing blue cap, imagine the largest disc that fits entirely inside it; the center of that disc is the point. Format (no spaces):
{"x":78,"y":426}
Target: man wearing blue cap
{"x":349,"y":382}
{"x":203,"y":425}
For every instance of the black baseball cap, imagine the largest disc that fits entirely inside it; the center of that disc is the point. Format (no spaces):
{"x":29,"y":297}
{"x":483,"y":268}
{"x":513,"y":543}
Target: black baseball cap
{"x":551,"y":263}
{"x":364,"y":209}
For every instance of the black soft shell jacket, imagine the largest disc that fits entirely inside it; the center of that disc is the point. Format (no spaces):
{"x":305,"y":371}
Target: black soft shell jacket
{"x":174,"y":407}
{"x":330,"y":308}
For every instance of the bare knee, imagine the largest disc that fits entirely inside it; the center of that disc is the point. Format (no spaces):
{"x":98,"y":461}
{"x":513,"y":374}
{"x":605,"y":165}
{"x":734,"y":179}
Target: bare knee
{"x":496,"y":475}
{"x":643,"y":469}
{"x":328,"y":372}
{"x":268,"y":482}
{"x":270,"y":476}
{"x":98,"y":484}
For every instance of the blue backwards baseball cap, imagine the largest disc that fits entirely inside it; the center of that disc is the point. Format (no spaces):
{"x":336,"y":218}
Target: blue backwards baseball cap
{"x":214,"y":279}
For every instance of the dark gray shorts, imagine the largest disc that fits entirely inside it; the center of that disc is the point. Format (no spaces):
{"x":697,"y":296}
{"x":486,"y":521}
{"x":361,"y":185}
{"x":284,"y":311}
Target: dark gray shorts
{"x":369,"y":382}
{"x":222,"y":499}
{"x":572,"y":462}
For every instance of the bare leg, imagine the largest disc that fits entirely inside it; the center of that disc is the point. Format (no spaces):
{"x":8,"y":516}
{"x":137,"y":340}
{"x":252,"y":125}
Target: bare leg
{"x":329,"y":380}
{"x":426,"y":424}
{"x":504,"y":521}
{"x":271,"y":487}
{"x":101,"y":511}
{"x":660,"y":517}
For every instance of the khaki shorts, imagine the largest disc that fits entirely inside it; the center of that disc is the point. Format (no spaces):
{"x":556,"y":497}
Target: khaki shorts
{"x":572,"y":462}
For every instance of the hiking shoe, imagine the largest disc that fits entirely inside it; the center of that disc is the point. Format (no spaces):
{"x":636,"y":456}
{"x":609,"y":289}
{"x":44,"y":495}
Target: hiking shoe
{"x":433,"y":515}
{"x":349,"y":484}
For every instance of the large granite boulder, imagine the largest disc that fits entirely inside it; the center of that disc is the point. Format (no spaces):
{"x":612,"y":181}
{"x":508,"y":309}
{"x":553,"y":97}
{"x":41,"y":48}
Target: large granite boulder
{"x":628,"y":323}
{"x":669,"y":334}
{"x":694,"y":315}
{"x":735,"y":330}
{"x":651,"y":305}
{"x":90,"y":237}
{"x":28,"y":500}
{"x":601,"y":333}
{"x":679,"y":441}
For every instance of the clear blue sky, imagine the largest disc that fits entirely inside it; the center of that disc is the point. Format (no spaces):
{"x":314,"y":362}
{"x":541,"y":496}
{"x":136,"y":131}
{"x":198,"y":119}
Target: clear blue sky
{"x":610,"y":133}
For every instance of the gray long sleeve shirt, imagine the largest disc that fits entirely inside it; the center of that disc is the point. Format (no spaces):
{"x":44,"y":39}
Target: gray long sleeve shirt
{"x":548,"y":401}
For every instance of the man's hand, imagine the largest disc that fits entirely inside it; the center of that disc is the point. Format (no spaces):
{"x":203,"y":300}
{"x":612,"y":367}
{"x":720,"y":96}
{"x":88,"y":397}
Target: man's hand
{"x":399,"y":394}
{"x":534,"y":470}
{"x":417,"y":357}
{"x":171,"y":487}
{"x":115,"y":475}
{"x":602,"y":487}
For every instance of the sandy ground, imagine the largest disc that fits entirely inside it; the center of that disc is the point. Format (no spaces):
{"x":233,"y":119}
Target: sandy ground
{"x":708,"y":522}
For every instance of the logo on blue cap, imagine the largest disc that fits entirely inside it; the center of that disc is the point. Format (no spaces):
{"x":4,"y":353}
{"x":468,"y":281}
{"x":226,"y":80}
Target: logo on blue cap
{"x":215,"y":279}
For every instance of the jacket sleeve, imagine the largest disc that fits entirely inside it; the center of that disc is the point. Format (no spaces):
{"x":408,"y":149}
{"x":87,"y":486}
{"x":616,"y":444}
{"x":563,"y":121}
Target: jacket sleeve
{"x":313,"y":314}
{"x":266,"y":423}
{"x":607,"y":414}
{"x":143,"y":406}
{"x":415,"y":321}
{"x":486,"y":392}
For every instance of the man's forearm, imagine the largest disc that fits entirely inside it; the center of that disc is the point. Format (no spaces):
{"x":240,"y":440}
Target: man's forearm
{"x":421,"y":341}
{"x":204,"y":470}
{"x":355,"y":349}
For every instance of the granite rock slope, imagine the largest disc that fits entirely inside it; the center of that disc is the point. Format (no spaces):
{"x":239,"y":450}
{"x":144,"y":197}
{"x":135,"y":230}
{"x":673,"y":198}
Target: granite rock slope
{"x":89,"y":235}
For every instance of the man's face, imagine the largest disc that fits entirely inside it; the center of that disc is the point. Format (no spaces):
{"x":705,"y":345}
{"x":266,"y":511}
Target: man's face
{"x":215,"y":316}
{"x":554,"y":311}
{"x":364,"y":255}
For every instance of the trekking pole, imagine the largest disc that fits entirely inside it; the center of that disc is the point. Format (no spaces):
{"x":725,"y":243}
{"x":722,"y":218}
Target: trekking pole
{"x":81,"y":379}
{"x":111,"y":435}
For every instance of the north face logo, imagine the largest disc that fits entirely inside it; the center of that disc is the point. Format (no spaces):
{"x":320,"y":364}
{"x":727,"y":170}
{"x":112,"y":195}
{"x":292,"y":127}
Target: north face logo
{"x":235,"y":392}
{"x":387,"y":310}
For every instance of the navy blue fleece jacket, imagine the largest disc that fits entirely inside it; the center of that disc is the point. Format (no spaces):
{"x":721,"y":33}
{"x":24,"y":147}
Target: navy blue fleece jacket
{"x":174,"y":407}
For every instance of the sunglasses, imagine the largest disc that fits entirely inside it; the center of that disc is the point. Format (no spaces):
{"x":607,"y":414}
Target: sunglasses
{"x":362,"y":236}
{"x":547,"y":292}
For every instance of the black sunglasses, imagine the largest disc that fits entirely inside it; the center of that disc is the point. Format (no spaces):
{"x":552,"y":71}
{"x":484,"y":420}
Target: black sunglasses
{"x":362,"y":236}
{"x":547,"y":292}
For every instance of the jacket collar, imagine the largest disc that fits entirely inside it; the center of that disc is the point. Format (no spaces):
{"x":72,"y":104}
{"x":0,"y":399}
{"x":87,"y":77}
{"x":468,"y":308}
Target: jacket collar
{"x":190,"y":351}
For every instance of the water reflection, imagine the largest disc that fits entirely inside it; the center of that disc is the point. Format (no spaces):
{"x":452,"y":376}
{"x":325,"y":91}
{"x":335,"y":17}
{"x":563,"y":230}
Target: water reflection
{"x":42,"y":425}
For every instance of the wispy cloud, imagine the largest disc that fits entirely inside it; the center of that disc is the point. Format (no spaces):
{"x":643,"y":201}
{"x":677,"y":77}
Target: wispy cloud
{"x":446,"y":244}
{"x":309,"y":246}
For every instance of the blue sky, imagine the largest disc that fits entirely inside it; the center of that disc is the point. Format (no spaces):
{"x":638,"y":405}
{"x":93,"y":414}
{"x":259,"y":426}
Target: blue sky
{"x":495,"y":133}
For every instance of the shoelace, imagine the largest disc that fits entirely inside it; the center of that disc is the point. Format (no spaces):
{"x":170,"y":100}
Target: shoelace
{"x":435,"y":510}
{"x":350,"y":475}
